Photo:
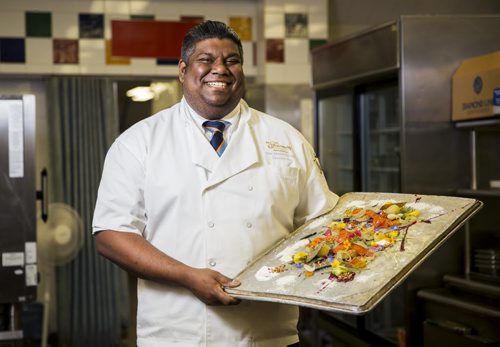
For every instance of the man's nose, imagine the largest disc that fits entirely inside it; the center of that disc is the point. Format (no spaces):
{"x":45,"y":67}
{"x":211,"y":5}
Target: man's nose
{"x":219,"y":66}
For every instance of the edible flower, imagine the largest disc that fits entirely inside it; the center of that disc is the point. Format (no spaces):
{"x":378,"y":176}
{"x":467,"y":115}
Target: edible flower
{"x":299,"y":257}
{"x":414,"y":213}
{"x":346,"y":244}
{"x":393,"y":234}
{"x":336,"y":263}
{"x":338,"y":268}
{"x":338,"y":225}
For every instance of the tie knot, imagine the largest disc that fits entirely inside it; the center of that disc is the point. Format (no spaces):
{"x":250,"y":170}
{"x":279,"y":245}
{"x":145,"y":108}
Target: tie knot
{"x":214,"y":125}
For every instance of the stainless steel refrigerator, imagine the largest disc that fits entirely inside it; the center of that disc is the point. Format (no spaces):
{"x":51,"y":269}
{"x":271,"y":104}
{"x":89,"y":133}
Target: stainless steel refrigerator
{"x":383,"y":124}
{"x":18,"y":273}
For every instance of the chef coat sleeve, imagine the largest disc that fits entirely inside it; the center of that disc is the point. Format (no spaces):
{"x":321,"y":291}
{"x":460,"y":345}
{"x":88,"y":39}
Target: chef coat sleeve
{"x":316,"y":198}
{"x":120,"y":199}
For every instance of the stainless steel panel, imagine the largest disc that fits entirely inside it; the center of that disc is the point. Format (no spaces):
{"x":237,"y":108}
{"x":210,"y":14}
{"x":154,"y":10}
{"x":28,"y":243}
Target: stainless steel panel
{"x":372,"y":52}
{"x":433,"y":156}
{"x":17,"y":205}
{"x":432,"y":49}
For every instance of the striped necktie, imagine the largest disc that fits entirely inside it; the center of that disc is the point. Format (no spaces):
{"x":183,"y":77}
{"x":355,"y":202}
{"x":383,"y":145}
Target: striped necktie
{"x":216,"y":127}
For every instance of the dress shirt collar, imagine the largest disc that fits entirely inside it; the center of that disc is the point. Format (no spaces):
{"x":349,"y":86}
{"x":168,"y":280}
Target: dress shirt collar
{"x":231,"y":119}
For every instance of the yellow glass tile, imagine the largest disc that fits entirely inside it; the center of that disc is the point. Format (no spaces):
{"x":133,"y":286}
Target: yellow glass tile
{"x":111,"y":60}
{"x":242,"y":26}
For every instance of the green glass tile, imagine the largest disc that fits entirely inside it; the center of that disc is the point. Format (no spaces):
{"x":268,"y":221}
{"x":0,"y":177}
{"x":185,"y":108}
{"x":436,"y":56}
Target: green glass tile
{"x":313,"y":43}
{"x":38,"y":24}
{"x":142,"y":17}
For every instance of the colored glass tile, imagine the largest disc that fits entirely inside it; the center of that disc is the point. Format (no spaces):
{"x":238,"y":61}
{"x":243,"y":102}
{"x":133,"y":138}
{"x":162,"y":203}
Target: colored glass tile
{"x":296,"y":25}
{"x":112,"y":60}
{"x":91,"y":25}
{"x":65,"y":51}
{"x":38,"y":24}
{"x":275,"y":50}
{"x":242,"y":26}
{"x":12,"y":50}
{"x":142,"y":17}
{"x":148,"y":39}
{"x":167,"y":61}
{"x":314,"y":43}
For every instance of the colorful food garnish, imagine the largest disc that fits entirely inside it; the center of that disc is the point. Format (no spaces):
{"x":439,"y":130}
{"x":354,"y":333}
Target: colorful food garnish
{"x":349,"y":244}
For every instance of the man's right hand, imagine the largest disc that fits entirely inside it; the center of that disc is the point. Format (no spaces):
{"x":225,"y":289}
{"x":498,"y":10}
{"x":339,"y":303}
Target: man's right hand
{"x":208,"y":286}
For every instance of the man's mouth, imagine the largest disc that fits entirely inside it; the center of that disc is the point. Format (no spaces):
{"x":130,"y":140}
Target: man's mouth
{"x":217,"y":84}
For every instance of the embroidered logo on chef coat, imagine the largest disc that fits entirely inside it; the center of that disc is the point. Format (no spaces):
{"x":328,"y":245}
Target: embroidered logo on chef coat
{"x":278,"y":151}
{"x":278,"y":147}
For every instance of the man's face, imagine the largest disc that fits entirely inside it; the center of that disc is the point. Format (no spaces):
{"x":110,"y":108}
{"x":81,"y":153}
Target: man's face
{"x":212,"y":78}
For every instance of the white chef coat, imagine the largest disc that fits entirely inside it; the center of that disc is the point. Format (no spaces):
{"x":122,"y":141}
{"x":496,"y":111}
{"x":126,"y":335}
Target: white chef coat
{"x":265,"y":184}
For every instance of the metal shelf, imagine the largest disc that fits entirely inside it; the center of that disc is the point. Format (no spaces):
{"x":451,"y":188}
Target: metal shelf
{"x":480,"y":123}
{"x":473,"y":304}
{"x":475,"y":285}
{"x":490,"y":193}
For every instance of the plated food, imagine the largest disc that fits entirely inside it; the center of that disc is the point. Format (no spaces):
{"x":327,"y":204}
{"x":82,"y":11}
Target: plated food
{"x":349,"y":243}
{"x":349,"y":259}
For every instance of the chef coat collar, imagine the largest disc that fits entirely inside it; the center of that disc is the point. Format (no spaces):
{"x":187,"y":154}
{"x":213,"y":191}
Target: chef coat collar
{"x":234,"y":159}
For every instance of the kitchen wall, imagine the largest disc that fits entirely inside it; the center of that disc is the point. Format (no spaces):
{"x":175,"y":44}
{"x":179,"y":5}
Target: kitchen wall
{"x":75,"y":36}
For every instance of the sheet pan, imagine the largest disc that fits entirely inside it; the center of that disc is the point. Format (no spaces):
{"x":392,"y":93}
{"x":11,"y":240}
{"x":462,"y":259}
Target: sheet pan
{"x":443,"y":215}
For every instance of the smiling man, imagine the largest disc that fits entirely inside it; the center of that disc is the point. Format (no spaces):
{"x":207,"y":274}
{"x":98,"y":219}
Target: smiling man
{"x":193,"y":194}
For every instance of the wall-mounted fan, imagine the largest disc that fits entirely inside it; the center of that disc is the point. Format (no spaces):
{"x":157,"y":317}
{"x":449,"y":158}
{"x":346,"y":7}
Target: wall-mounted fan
{"x":59,"y":239}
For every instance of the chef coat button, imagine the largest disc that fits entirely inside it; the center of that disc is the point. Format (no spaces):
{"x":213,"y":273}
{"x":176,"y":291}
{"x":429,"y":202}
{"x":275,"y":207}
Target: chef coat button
{"x":249,"y":225}
{"x":212,"y":263}
{"x":250,"y":188}
{"x":211,"y":224}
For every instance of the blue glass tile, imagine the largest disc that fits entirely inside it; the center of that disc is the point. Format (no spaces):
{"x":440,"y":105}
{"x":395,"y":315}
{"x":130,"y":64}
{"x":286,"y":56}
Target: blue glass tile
{"x":91,"y":25}
{"x":167,"y":61}
{"x":12,"y":50}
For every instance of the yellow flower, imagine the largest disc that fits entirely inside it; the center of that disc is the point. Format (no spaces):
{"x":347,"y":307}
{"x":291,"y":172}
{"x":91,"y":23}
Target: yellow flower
{"x":299,"y":257}
{"x":346,"y":244}
{"x":393,"y":234}
{"x":336,"y":263}
{"x":338,"y":225}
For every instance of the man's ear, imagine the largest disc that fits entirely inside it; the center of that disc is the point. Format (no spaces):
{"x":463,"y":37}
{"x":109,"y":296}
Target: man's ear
{"x":182,"y":70}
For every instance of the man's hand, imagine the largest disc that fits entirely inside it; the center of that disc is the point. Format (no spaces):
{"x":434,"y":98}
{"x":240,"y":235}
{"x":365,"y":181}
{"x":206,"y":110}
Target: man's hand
{"x":207,"y":285}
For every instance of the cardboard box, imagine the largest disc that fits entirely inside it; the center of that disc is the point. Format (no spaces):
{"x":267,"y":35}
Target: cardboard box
{"x":476,"y":88}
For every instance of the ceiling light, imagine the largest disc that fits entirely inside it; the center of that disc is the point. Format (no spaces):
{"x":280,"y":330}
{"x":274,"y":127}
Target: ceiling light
{"x":141,"y":94}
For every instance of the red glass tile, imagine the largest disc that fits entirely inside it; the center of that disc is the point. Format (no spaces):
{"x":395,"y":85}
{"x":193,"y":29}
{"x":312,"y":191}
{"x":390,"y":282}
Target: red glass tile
{"x":152,"y":39}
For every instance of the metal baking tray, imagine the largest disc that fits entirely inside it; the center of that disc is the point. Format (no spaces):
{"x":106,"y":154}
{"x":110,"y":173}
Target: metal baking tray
{"x":443,"y":215}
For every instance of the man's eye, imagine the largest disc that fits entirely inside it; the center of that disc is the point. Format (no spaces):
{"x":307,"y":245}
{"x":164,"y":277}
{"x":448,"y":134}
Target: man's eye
{"x":205,"y":60}
{"x":233,"y":61}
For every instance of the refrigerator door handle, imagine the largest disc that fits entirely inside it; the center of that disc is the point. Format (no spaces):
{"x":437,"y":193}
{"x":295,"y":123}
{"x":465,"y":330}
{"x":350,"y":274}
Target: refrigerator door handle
{"x":43,"y":194}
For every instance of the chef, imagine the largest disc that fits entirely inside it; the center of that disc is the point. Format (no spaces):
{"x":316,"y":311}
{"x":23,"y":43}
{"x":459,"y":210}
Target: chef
{"x":191,"y":195}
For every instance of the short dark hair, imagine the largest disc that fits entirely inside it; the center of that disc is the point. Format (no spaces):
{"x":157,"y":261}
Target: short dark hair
{"x":208,"y":30}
